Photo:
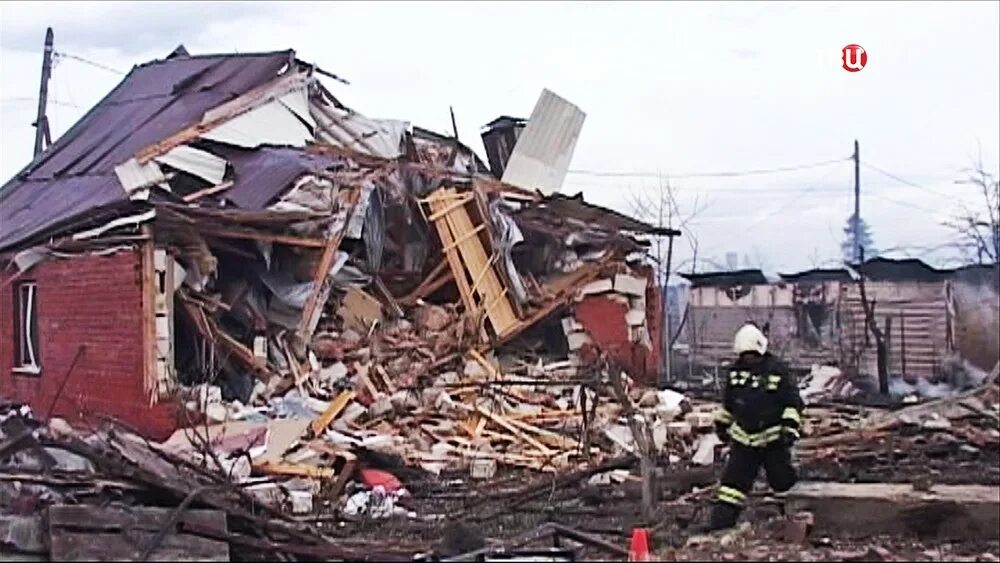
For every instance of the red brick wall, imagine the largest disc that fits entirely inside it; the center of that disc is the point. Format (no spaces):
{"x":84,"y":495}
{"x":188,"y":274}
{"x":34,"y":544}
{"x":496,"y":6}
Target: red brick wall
{"x":95,"y":301}
{"x":604,"y":320}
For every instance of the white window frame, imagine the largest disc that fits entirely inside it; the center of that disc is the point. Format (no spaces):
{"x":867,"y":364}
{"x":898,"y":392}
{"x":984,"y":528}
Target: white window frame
{"x":26,"y":341}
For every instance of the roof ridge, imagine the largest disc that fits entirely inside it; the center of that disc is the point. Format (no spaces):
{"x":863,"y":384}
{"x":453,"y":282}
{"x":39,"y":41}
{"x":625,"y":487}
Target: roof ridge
{"x":216,"y":56}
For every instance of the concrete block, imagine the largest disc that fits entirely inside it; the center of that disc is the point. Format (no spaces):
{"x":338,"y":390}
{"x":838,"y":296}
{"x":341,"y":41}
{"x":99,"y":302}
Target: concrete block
{"x":483,"y":468}
{"x":866,"y":509}
{"x":597,"y":287}
{"x":630,"y":285}
{"x":635,"y":317}
{"x":679,"y":428}
{"x":700,"y":419}
{"x":577,"y":340}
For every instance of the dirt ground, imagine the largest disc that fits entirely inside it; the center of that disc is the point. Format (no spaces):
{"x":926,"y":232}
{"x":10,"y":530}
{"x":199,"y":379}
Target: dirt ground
{"x":459,"y":517}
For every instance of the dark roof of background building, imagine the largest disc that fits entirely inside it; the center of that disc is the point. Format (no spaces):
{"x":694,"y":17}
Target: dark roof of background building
{"x":155,"y":100}
{"x":818,"y":275}
{"x":726,"y":279}
{"x":907,"y":269}
{"x":576,"y":208}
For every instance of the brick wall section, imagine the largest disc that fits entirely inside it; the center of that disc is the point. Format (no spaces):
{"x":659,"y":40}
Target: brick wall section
{"x":604,"y":320}
{"x":94,"y":301}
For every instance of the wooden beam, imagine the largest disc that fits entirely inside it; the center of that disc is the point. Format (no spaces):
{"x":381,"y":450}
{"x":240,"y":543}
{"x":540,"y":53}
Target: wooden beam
{"x":296,"y":470}
{"x":514,"y":430}
{"x":439,"y":276}
{"x":194,"y":196}
{"x":321,"y":288}
{"x":336,"y":407}
{"x":266,"y":237}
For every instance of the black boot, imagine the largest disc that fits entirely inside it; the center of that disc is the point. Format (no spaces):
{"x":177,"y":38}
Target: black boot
{"x":723,"y":517}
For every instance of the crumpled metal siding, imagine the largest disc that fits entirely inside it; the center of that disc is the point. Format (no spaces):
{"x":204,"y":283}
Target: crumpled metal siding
{"x":544,"y":150}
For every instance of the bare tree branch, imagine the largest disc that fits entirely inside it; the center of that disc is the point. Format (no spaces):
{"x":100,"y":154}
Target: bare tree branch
{"x":979,"y":232}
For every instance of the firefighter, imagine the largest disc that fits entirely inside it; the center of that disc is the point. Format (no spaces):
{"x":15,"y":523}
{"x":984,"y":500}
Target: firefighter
{"x":760,"y":418}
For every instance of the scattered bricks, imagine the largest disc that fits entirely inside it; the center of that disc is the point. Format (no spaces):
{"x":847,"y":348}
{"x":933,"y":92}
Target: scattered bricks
{"x":328,"y":348}
{"x":433,"y":318}
{"x":381,"y":407}
{"x":798,"y":527}
{"x":679,"y":428}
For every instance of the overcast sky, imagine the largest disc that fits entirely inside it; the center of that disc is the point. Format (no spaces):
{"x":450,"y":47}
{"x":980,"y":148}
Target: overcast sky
{"x":673,"y":89}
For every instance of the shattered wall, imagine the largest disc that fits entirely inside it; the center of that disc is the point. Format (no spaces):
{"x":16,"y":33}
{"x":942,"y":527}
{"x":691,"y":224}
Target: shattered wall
{"x":93,"y":303}
{"x":607,"y":321}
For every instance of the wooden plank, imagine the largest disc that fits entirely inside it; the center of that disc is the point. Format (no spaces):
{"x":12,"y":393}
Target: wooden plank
{"x":359,"y":310}
{"x":456,"y":231}
{"x":459,"y":202}
{"x":194,"y":196}
{"x":242,"y":234}
{"x":89,"y":533}
{"x":454,"y":261}
{"x":476,"y":260}
{"x":321,"y":279}
{"x":148,"y":304}
{"x":296,"y":470}
{"x":506,"y":425}
{"x":336,"y":407}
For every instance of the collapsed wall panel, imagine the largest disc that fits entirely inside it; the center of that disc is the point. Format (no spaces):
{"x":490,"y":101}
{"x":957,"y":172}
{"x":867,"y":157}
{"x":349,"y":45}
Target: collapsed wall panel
{"x":465,"y":241}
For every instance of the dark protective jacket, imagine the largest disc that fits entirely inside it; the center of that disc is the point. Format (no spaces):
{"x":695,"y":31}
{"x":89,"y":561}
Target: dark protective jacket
{"x":760,"y":402}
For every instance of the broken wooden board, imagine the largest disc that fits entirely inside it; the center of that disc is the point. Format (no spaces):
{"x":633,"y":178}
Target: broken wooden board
{"x":359,"y":310}
{"x":296,"y":470}
{"x":473,"y":267}
{"x":867,"y":509}
{"x":336,"y":406}
{"x":281,"y":435}
{"x":90,"y":533}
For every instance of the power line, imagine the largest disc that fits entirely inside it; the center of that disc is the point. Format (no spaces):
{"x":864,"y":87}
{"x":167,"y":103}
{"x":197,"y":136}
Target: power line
{"x":34,"y":100}
{"x":781,"y":208}
{"x":905,"y":203}
{"x":62,"y":55}
{"x":601,"y":173}
{"x":903,"y":181}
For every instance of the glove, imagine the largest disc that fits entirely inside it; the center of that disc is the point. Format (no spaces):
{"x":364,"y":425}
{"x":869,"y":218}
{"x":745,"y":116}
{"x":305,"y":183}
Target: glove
{"x":722,"y":431}
{"x":788,"y":438}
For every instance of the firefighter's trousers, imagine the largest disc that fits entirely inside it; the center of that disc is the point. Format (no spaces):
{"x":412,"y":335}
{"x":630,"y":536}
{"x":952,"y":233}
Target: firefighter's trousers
{"x":740,"y":473}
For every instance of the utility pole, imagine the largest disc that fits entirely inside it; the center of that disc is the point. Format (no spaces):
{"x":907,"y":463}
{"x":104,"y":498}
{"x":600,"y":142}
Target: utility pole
{"x":857,"y":202}
{"x":41,"y":121}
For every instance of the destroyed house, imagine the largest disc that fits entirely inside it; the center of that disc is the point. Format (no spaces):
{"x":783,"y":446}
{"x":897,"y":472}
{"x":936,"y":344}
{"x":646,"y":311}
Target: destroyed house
{"x":220,"y":232}
{"x":816,"y":316}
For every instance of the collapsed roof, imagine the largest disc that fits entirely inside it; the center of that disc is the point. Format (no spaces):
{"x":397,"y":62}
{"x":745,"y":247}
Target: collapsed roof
{"x":281,"y":208}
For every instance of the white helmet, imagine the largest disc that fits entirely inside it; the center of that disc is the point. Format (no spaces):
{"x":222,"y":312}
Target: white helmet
{"x":749,"y":338}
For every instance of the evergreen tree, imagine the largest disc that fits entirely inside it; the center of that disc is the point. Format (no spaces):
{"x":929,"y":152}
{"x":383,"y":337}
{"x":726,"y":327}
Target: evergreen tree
{"x":865,"y":236}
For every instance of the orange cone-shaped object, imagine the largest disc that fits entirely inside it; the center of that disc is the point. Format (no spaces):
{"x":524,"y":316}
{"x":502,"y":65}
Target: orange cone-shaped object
{"x":639,"y":550}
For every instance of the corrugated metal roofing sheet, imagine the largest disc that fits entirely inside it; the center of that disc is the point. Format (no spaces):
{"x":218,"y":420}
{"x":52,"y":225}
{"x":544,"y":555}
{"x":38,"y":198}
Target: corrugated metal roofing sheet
{"x":544,"y":150}
{"x":154,"y":101}
{"x":262,"y":174}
